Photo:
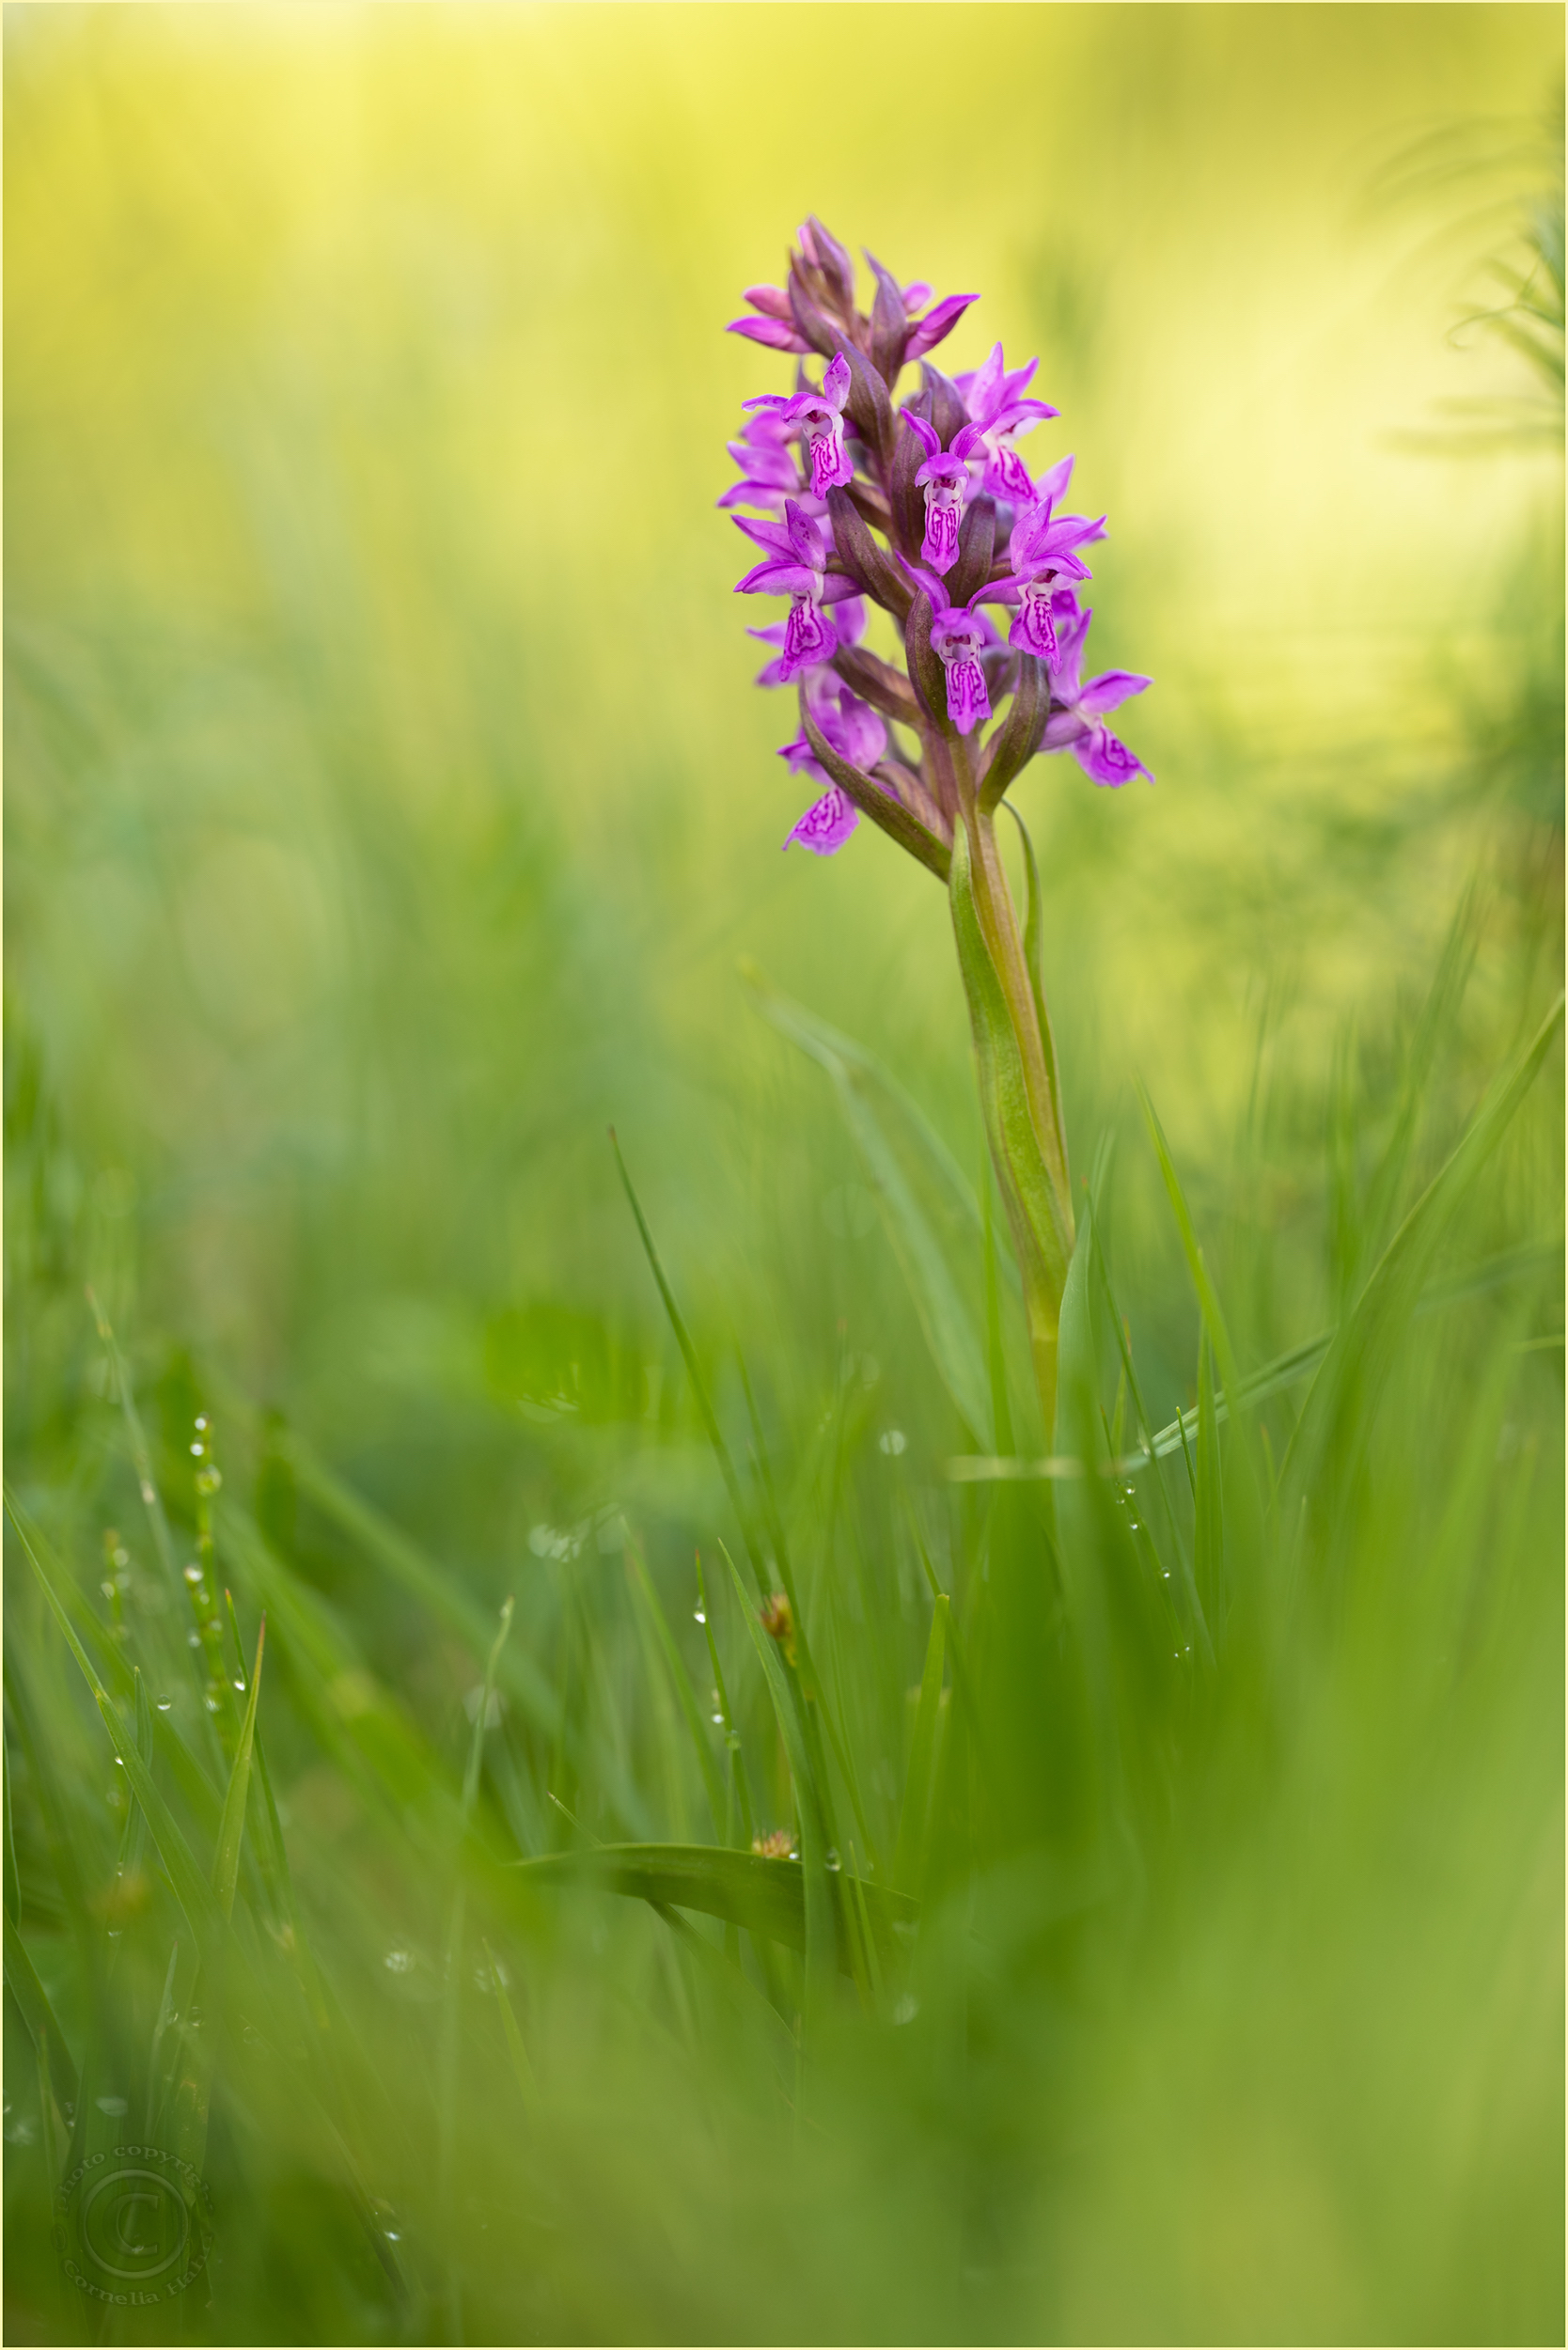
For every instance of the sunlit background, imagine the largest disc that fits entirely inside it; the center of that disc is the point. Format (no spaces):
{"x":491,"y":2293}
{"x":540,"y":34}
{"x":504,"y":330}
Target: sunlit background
{"x":389,"y":803}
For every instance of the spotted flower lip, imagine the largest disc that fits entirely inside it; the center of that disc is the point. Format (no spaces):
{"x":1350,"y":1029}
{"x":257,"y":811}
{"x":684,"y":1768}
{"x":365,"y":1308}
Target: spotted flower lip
{"x":1077,"y":711}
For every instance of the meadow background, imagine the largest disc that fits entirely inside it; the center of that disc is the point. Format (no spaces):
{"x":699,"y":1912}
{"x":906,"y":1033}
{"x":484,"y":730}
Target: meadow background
{"x":388,"y":809}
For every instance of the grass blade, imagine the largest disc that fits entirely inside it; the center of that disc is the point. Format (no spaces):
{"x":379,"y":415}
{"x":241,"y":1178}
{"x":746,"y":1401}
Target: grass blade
{"x":766,"y":1897}
{"x":686,"y":1695}
{"x":909,"y":1858}
{"x":231,"y":1829}
{"x":21,"y":1980}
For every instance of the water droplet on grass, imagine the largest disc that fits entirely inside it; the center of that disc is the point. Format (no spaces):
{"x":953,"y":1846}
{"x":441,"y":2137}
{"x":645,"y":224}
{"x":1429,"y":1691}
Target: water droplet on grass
{"x":165,"y":1704}
{"x":398,"y":1962}
{"x":905,"y":2007}
{"x":697,"y":1616}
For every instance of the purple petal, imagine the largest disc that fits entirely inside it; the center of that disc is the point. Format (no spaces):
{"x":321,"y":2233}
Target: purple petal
{"x":827,"y":823}
{"x":1109,"y":690}
{"x":803,"y":537}
{"x":773,"y":332}
{"x":926,"y":434}
{"x":968,"y":703}
{"x":968,"y":441}
{"x":1052,"y":485}
{"x":1103,"y":759}
{"x":770,"y":535}
{"x":772,"y":300}
{"x":835,"y":382}
{"x":1034,"y":631}
{"x":916,"y":296}
{"x":937,"y":325}
{"x":939,"y":547}
{"x":778,"y":579}
{"x":1064,"y":728}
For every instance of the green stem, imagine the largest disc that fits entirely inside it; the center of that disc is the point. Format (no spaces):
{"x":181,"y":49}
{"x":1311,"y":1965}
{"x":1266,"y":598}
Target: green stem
{"x":1014,"y":1067}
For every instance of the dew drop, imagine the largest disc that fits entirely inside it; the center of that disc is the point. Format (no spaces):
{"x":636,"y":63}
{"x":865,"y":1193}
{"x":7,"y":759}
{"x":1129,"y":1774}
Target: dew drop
{"x":211,"y":1702}
{"x":193,"y":1572}
{"x":165,"y":1704}
{"x":718,"y":1717}
{"x":193,"y":1639}
{"x":398,"y":1962}
{"x":697,"y":1616}
{"x":240,"y":1686}
{"x":905,"y":2007}
{"x":148,"y":1494}
{"x":114,"y":2107}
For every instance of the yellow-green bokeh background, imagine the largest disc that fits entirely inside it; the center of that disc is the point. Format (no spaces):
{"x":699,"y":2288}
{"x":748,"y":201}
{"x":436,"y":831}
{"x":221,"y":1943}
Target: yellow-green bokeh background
{"x":389,"y":798}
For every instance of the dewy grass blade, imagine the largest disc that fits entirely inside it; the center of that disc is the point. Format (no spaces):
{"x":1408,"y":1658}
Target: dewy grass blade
{"x":694,"y":1372}
{"x":909,"y":1858}
{"x":813,"y":1852}
{"x":225,"y":1867}
{"x":686,"y":1695}
{"x":191,"y":1888}
{"x":739,"y":1778}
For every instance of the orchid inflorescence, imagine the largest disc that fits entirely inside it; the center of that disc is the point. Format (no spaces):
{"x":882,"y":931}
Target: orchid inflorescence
{"x":927,"y":511}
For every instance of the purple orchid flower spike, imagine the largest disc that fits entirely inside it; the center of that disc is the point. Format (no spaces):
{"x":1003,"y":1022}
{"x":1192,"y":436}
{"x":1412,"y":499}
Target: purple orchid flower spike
{"x":935,"y":525}
{"x":818,"y":417}
{"x":1000,"y":416}
{"x":1077,"y":713}
{"x":1040,"y":553}
{"x":945,"y":478}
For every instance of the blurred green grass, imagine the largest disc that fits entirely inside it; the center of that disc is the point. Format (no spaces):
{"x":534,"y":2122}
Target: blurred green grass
{"x":389,"y":806}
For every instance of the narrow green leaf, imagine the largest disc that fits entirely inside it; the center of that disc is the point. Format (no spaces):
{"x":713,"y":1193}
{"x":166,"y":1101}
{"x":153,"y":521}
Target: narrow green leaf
{"x":194,"y":1895}
{"x":909,"y":1858}
{"x":1356,"y":1364}
{"x":766,"y":1897}
{"x":231,"y":1829}
{"x":517,"y":2054}
{"x":36,"y":2013}
{"x":930,"y":1212}
{"x":694,"y":1371}
{"x":1208,"y":1536}
{"x":786,"y":1709}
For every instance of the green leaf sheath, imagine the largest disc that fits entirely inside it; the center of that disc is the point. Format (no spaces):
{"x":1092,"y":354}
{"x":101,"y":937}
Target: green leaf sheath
{"x":1015,"y":1093}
